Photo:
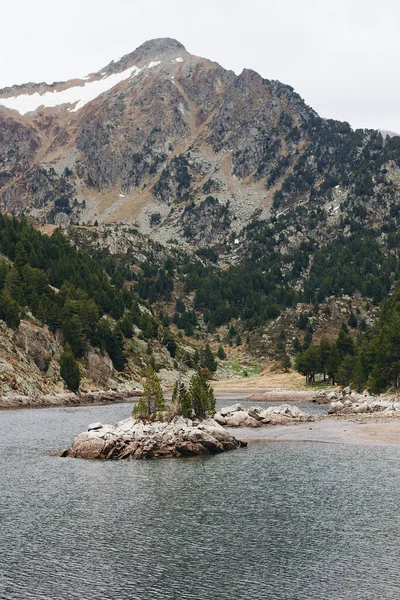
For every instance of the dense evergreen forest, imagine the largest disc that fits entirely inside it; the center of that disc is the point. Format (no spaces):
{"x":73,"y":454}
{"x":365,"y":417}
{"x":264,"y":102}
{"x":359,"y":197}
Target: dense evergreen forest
{"x":66,"y":289}
{"x":371,"y":359}
{"x":97,"y":299}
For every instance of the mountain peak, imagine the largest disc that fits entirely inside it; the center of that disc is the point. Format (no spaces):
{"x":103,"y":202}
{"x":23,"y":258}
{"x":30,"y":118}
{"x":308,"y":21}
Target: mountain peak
{"x":160,"y":45}
{"x":154,"y":49}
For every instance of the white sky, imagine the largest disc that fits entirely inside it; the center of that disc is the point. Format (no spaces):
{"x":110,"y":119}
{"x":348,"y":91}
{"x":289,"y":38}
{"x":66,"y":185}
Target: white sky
{"x":341,"y":56}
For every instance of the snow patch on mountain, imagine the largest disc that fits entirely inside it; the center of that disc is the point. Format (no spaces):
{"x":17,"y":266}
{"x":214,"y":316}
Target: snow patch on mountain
{"x":78,"y":95}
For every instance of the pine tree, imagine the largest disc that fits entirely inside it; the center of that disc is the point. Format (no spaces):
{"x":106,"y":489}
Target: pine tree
{"x":352,"y":322}
{"x":333,"y":363}
{"x":208,"y":360}
{"x":69,"y":369}
{"x":345,"y":371}
{"x":202,"y":396}
{"x":308,"y":363}
{"x":221,"y":353}
{"x":9,"y":310}
{"x":140,"y":410}
{"x":152,"y":393}
{"x":325,"y":348}
{"x":185,"y":402}
{"x":345,"y":344}
{"x":359,"y":378}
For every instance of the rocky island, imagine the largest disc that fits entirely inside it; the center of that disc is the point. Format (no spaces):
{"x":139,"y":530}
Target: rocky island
{"x":133,"y":439}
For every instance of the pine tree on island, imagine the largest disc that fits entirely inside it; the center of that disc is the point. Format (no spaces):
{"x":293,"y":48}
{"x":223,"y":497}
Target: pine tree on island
{"x":202,"y":396}
{"x":185,"y":406}
{"x":194,"y":402}
{"x":151,"y":400}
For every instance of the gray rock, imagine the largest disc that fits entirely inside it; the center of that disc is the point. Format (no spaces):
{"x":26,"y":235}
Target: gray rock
{"x":94,"y":426}
{"x":241,"y":418}
{"x":131,"y":439}
{"x":335,"y":407}
{"x":220,"y":419}
{"x":227,"y":410}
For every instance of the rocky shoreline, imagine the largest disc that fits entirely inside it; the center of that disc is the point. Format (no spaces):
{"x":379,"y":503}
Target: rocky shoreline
{"x":68,"y":399}
{"x":348,"y":402}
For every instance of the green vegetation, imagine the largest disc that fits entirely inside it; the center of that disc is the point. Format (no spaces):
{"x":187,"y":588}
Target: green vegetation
{"x":196,"y":401}
{"x":151,"y":400}
{"x":371,"y":359}
{"x":242,"y":370}
{"x":68,"y":290}
{"x":69,"y":369}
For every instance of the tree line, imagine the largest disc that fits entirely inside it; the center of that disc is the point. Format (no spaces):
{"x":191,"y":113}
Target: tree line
{"x":369,"y":360}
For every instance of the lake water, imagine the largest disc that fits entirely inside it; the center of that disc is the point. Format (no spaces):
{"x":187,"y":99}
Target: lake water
{"x":275,"y":521}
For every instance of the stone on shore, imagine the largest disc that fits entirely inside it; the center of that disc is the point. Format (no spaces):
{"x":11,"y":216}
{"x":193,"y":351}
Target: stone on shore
{"x":133,"y":439}
{"x":256,"y":416}
{"x":354,"y":403}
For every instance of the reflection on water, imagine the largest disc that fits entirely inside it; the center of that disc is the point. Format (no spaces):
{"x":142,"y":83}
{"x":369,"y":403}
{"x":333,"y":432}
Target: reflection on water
{"x":292,"y":521}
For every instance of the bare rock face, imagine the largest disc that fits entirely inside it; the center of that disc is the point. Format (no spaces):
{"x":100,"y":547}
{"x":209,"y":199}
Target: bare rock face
{"x":100,"y":368}
{"x":134,"y":440}
{"x":256,"y":416}
{"x":36,"y":344}
{"x":18,"y":144}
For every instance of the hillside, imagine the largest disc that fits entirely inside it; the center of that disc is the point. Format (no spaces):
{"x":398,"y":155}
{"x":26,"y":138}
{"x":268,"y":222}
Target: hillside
{"x":204,"y":210}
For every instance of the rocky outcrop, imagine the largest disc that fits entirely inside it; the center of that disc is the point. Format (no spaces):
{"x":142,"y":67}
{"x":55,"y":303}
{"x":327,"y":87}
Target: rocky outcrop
{"x":18,"y":145}
{"x":255,"y":416}
{"x":100,"y":368}
{"x":134,"y":440}
{"x":174,"y":130}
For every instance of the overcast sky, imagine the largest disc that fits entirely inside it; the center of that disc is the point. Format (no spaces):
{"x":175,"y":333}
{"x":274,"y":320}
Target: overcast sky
{"x":341,"y":56}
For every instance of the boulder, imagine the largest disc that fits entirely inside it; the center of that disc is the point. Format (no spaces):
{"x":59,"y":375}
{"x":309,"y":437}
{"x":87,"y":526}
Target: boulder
{"x":285,"y":410}
{"x":346,"y":390}
{"x":94,"y":426}
{"x":335,"y":407}
{"x":231,"y":409}
{"x":220,"y":419}
{"x":241,"y":418}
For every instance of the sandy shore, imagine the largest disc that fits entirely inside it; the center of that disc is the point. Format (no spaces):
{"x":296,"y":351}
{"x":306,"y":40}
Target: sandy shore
{"x":371,"y":431}
{"x":265,"y":395}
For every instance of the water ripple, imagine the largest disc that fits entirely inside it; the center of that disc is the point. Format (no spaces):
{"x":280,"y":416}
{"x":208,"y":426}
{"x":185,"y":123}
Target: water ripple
{"x":292,"y":521}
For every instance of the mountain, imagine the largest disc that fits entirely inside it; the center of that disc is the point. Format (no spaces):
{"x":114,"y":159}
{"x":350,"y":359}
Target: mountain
{"x":186,"y":150}
{"x":208,"y":209}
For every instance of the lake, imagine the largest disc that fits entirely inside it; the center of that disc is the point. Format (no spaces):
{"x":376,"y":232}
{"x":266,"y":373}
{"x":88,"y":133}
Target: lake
{"x":274,"y":521}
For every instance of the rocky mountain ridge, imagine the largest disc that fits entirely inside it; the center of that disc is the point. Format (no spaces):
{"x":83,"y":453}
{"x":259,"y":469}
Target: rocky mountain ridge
{"x":174,"y":144}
